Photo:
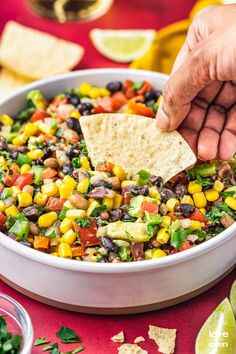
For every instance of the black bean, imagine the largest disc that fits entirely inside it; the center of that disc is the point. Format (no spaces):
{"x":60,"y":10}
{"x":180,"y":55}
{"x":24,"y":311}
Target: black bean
{"x":85,"y":108}
{"x":137,"y":190}
{"x":73,"y":151}
{"x":14,"y":155}
{"x":167,"y":194}
{"x":109,"y":244}
{"x":185,"y":209}
{"x":32,"y":213}
{"x":47,"y":152}
{"x":38,"y":162}
{"x":115,"y":215}
{"x":114,"y":86}
{"x":3,"y":143}
{"x":103,"y":184}
{"x":27,"y":244}
{"x":74,"y":124}
{"x":156,"y":181}
{"x":127,"y":217}
{"x":73,"y":99}
{"x":23,"y":150}
{"x":180,"y":190}
{"x":152,"y":95}
{"x":67,"y":169}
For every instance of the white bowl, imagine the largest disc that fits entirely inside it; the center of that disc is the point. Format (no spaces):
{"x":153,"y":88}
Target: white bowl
{"x":102,"y":287}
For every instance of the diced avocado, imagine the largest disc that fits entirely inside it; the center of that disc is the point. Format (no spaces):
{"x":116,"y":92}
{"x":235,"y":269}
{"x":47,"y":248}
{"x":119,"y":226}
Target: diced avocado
{"x":136,"y":204}
{"x":203,"y":170}
{"x":128,"y":231}
{"x":37,"y":99}
{"x":152,"y":219}
{"x":231,"y":189}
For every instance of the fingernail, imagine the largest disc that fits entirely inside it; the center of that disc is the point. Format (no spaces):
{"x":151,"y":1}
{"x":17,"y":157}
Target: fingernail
{"x":163,"y":121}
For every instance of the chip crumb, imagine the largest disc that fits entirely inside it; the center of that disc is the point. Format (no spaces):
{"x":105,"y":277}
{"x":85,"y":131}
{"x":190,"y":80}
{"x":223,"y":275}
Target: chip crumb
{"x":139,"y":339}
{"x":131,"y":349}
{"x":119,"y":337}
{"x":164,"y":338}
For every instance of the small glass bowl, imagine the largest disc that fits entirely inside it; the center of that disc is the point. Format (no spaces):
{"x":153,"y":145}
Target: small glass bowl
{"x":18,"y":321}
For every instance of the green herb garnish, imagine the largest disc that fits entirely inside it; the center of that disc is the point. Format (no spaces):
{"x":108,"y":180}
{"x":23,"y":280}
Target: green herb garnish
{"x":178,"y":237}
{"x":137,"y":85}
{"x":41,"y":341}
{"x":67,"y":335}
{"x":143,"y":177}
{"x":62,"y":214}
{"x":203,"y":182}
{"x":83,"y":222}
{"x":8,"y":343}
{"x":98,"y":210}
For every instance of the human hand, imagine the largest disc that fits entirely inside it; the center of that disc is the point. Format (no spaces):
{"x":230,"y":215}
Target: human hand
{"x":200,"y":97}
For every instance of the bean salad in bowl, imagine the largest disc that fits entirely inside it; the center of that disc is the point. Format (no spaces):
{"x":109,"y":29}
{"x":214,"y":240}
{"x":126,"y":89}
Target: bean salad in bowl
{"x":53,"y":200}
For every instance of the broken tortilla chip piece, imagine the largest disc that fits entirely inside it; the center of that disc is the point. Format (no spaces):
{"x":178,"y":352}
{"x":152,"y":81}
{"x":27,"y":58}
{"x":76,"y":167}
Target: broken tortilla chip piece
{"x":131,"y":349}
{"x":164,"y":338}
{"x":118,"y":338}
{"x":9,"y":82}
{"x":139,"y":340}
{"x":135,"y":143}
{"x":35,"y":54}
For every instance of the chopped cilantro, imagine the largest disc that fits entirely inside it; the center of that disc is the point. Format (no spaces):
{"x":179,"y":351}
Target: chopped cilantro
{"x":67,"y":335}
{"x":41,"y":341}
{"x":62,"y":214}
{"x":9,"y":343}
{"x":98,"y":210}
{"x":203,"y":182}
{"x":76,"y":162}
{"x":215,"y":215}
{"x":83,"y":222}
{"x":226,"y":194}
{"x":178,"y":237}
{"x":50,"y":347}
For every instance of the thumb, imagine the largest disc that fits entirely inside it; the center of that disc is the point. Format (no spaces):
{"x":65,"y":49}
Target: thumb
{"x":183,"y":86}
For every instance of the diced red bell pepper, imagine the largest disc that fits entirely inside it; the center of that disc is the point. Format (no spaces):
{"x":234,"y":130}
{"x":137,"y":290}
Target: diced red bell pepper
{"x":140,"y":108}
{"x":146,"y":87}
{"x":23,"y":180}
{"x":88,"y":235}
{"x":58,"y":101}
{"x":185,"y":246}
{"x":2,"y":219}
{"x":38,"y":115}
{"x":12,"y":175}
{"x":106,"y":167}
{"x":149,"y":207}
{"x":54,"y":204}
{"x":198,"y":216}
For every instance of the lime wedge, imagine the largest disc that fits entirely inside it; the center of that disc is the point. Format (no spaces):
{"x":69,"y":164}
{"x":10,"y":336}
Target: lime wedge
{"x":122,"y":45}
{"x":218,"y":334}
{"x":233,"y":297}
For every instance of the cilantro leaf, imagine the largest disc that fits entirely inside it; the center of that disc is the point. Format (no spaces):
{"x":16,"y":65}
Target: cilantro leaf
{"x":41,"y":341}
{"x":50,"y":347}
{"x":83,"y":222}
{"x":98,"y":210}
{"x":214,"y":215}
{"x":78,"y":350}
{"x":178,"y":237}
{"x":224,"y":207}
{"x":203,"y":182}
{"x":66,"y":335}
{"x":227,"y":194}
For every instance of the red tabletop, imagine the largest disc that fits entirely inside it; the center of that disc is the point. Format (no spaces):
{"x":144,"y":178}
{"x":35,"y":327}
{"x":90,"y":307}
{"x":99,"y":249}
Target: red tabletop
{"x":97,"y":330}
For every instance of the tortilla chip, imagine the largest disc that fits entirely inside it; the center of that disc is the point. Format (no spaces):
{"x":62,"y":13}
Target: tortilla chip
{"x":35,"y":54}
{"x":131,"y":349}
{"x":164,"y":338}
{"x":10,"y":82}
{"x":118,"y":338}
{"x":135,"y":143}
{"x":139,"y":340}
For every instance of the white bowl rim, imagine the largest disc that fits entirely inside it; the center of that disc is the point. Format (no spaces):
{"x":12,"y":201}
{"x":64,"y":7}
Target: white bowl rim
{"x":90,"y":267}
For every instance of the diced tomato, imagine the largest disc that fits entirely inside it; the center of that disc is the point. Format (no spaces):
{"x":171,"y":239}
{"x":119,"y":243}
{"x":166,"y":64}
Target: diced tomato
{"x":77,"y":251}
{"x":103,"y":105}
{"x":54,"y":204}
{"x":23,"y":180}
{"x":198,"y":216}
{"x":140,"y":108}
{"x":149,"y":207}
{"x":185,"y":246}
{"x":128,"y":90}
{"x":49,"y":173}
{"x":58,"y":101}
{"x":106,"y":167}
{"x":174,"y":217}
{"x":118,"y":100}
{"x":12,"y":175}
{"x":41,"y":242}
{"x":146,"y":87}
{"x":88,"y":235}
{"x":126,"y":200}
{"x":48,"y":138}
{"x":38,"y":115}
{"x":2,"y":219}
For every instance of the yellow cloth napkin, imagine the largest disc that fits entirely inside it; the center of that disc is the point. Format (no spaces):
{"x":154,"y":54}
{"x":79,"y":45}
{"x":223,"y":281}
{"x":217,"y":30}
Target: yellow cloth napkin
{"x":162,"y":53}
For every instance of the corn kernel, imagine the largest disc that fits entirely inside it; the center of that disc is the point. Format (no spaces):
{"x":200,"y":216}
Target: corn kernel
{"x":126,"y":183}
{"x":218,"y":186}
{"x":199,"y":200}
{"x":117,"y":200}
{"x":158,"y":253}
{"x":75,"y":114}
{"x":85,"y":88}
{"x":46,"y":128}
{"x":47,"y":219}
{"x":68,"y":180}
{"x":69,"y":237}
{"x":15,"y":191}
{"x":3,"y":163}
{"x":163,"y":235}
{"x":2,"y":206}
{"x":211,"y":195}
{"x":50,"y":189}
{"x":154,"y":193}
{"x":76,"y":213}
{"x":55,"y":254}
{"x":119,"y":172}
{"x":66,"y":190}
{"x":187,"y":200}
{"x":64,"y":250}
{"x":25,"y":168}
{"x":108,"y":202}
{"x":203,"y":211}
{"x":194,"y":187}
{"x":24,"y":199}
{"x":166,"y":221}
{"x":6,"y":120}
{"x":59,"y":182}
{"x":40,"y":199}
{"x":231,"y":202}
{"x":66,"y":225}
{"x":91,"y":207}
{"x":83,"y":185}
{"x":129,"y":111}
{"x":94,"y":92}
{"x":195,"y":225}
{"x":90,"y":200}
{"x":20,"y":139}
{"x":84,"y":162}
{"x":171,"y":204}
{"x":35,"y":154}
{"x":12,"y":211}
{"x":68,"y":205}
{"x":30,"y":129}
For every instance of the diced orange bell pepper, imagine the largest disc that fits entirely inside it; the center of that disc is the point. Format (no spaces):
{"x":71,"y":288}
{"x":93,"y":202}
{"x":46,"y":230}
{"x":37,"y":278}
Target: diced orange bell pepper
{"x":185,"y":246}
{"x":41,"y":242}
{"x":77,"y":251}
{"x":38,"y":115}
{"x":23,"y":180}
{"x":54,"y":204}
{"x":49,"y":173}
{"x":140,"y":108}
{"x":149,"y":207}
{"x":146,"y":87}
{"x":106,"y":167}
{"x":2,"y":219}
